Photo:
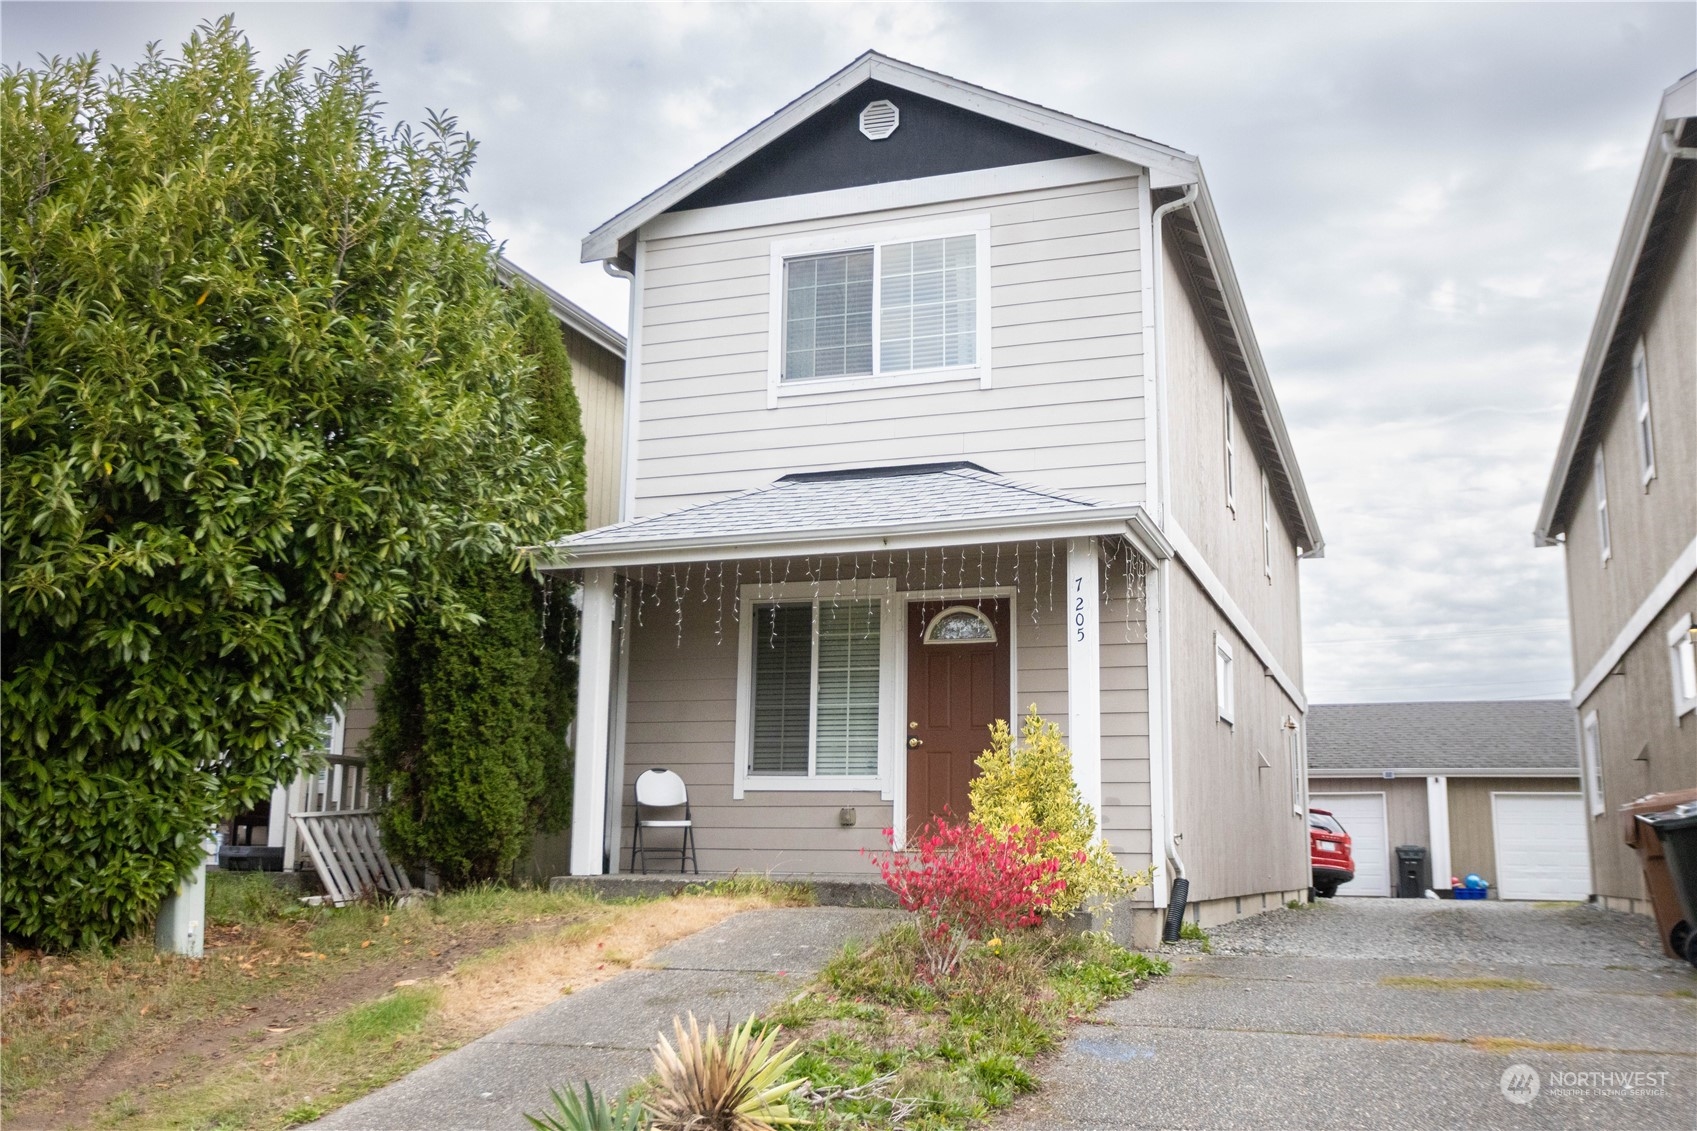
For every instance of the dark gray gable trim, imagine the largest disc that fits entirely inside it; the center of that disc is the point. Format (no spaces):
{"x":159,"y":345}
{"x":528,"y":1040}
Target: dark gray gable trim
{"x":827,"y":151}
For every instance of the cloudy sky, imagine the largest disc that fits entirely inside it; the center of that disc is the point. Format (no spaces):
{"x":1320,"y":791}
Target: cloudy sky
{"x":1421,"y":202}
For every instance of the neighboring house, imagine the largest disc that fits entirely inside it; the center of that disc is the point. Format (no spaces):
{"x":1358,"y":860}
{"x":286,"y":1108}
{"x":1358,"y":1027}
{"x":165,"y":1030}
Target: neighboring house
{"x":1622,"y":502}
{"x":943,"y":404}
{"x":597,"y":354}
{"x":1485,"y":787}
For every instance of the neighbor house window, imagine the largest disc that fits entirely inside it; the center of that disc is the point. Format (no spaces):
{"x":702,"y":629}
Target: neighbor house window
{"x":884,"y":307}
{"x":813,"y":687}
{"x":1266,"y":528}
{"x":1641,"y":406}
{"x":1223,"y":696}
{"x":1682,"y":655}
{"x":1231,"y":453}
{"x":1602,"y":504}
{"x":1593,"y":750}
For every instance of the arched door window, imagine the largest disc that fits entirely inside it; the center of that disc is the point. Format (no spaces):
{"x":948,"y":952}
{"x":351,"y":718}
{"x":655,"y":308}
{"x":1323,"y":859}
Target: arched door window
{"x":960,"y":624}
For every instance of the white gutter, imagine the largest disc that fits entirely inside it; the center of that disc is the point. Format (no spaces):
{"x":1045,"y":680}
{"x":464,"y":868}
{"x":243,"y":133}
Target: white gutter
{"x":1131,"y":522}
{"x":1160,"y":644}
{"x":1445,"y":771}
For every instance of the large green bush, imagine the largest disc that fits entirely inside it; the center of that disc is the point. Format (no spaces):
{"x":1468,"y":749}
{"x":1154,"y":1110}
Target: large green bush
{"x":263,"y":401}
{"x":470,"y":743}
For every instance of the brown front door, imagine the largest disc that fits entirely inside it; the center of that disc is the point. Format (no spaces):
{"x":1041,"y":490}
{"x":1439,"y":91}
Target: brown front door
{"x":957,"y":685}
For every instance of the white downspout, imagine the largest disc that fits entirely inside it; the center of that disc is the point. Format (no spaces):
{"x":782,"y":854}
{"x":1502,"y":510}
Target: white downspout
{"x":1163,"y":744}
{"x":627,"y":454}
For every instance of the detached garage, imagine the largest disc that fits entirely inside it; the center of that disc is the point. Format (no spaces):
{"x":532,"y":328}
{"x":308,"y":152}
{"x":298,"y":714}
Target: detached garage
{"x":1485,"y":787}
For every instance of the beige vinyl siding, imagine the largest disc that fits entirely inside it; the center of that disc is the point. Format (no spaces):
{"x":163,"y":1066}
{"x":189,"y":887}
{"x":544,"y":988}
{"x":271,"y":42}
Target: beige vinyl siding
{"x":1230,"y":541}
{"x":1066,"y":355}
{"x":1648,"y":528}
{"x":1472,"y":823}
{"x":1240,"y":834}
{"x":598,"y":375}
{"x":1406,"y":815}
{"x":1645,"y":749}
{"x":682,"y":708}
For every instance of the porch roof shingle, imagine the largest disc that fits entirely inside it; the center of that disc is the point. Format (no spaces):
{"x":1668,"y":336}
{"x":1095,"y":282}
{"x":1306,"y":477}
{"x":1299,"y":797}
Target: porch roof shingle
{"x":881,"y":498}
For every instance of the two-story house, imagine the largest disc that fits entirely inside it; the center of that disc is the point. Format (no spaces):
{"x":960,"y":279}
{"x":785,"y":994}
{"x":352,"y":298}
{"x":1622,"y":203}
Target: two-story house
{"x":1622,"y":502}
{"x":941,"y":404}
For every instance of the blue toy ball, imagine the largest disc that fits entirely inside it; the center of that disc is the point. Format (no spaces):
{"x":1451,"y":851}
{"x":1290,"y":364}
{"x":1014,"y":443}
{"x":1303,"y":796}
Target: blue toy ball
{"x":1475,"y":881}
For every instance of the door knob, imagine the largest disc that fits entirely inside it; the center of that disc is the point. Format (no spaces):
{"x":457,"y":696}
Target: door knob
{"x":915,"y":743}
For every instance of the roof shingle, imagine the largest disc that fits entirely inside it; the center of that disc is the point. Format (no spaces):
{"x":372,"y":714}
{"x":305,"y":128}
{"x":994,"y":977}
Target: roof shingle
{"x":1486,"y":735}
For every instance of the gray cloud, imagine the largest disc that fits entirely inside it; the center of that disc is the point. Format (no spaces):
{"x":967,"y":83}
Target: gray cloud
{"x":1421,"y":201}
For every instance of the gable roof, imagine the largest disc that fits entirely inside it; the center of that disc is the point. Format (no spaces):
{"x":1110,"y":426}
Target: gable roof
{"x":884,"y":504}
{"x":1204,"y":245}
{"x":611,"y":240}
{"x":565,"y":309}
{"x":1444,"y":737}
{"x":1664,"y":180}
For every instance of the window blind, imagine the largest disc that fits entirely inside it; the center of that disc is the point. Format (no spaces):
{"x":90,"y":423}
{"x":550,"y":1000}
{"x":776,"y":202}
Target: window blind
{"x":783,"y":689}
{"x":828,"y":315}
{"x":928,"y":304}
{"x":847,"y":740}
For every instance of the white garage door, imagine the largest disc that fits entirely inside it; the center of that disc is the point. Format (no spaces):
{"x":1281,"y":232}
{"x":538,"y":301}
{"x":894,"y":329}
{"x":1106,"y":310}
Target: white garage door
{"x":1541,"y":850}
{"x":1362,"y":816}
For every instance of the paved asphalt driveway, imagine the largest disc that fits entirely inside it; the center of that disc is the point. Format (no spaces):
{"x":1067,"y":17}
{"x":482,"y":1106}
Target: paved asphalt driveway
{"x":1357,"y":1014}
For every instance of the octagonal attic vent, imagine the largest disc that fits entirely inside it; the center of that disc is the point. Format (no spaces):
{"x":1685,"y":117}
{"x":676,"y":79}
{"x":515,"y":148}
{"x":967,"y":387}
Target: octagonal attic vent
{"x":880,"y":119}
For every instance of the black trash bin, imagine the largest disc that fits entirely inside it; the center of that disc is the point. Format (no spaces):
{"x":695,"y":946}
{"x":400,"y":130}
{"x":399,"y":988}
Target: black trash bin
{"x":1413,"y":871}
{"x":1676,"y":829}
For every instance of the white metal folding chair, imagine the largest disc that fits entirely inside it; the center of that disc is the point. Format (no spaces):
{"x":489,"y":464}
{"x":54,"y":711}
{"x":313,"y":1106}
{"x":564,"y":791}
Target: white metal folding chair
{"x":659,"y":789}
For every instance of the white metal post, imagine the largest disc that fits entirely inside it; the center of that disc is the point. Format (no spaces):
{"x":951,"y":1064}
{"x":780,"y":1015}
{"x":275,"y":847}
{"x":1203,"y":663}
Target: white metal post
{"x":181,"y":928}
{"x":1084,"y":669}
{"x":594,"y":695}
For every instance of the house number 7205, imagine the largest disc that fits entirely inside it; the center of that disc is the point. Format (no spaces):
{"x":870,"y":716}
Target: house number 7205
{"x":1078,"y":607}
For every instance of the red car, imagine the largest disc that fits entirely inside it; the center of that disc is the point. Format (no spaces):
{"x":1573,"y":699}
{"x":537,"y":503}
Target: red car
{"x":1328,"y":852}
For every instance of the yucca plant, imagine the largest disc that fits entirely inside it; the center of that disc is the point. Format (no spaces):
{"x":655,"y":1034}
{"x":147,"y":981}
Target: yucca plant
{"x":588,"y":1114}
{"x":737,"y":1084}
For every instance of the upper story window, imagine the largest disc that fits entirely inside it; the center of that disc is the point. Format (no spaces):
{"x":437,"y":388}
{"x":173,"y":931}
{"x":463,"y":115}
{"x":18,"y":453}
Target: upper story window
{"x":1602,"y":504}
{"x":1231,"y":453}
{"x":1641,"y":414}
{"x":896,"y":305}
{"x":1266,"y":528}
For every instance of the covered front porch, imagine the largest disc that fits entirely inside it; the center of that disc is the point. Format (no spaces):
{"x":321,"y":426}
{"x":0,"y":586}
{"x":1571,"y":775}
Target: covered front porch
{"x":820,"y":660}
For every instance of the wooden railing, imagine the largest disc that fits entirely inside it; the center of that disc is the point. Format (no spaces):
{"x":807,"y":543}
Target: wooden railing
{"x":342,"y":785}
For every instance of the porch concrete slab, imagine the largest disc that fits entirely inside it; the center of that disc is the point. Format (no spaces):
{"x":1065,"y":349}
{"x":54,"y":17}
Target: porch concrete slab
{"x":747,"y":964}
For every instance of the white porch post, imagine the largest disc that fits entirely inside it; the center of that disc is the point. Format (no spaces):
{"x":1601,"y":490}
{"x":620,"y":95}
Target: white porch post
{"x":1438,"y":826}
{"x":594,"y":700}
{"x":1084,"y":669}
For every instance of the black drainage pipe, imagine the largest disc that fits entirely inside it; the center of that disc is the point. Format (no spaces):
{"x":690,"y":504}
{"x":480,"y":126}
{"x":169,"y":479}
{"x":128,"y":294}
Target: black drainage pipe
{"x":1175,"y":909}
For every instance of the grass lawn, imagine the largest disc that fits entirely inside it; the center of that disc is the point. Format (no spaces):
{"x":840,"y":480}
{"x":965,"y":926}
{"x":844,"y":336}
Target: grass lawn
{"x":295,"y":1011}
{"x":881,"y":1047}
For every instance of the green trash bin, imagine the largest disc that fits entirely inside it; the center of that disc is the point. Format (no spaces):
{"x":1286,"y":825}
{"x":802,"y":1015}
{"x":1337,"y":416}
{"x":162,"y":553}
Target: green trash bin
{"x":1676,"y":830}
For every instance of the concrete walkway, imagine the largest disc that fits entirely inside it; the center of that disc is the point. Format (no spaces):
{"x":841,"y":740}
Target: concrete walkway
{"x":1378,"y":1013}
{"x":747,"y":964}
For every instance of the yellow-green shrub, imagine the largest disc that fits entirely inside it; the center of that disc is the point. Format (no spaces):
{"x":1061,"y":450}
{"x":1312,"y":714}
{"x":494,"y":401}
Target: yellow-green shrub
{"x":1030,"y":787}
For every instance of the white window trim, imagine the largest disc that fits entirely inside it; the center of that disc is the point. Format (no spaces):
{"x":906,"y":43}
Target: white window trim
{"x":1602,"y":503}
{"x":1682,"y":650}
{"x":1591,"y":750}
{"x":1266,"y":528}
{"x":1225,"y":679}
{"x":890,"y":628}
{"x":1641,"y":414}
{"x":1230,"y":436}
{"x":849,"y":240}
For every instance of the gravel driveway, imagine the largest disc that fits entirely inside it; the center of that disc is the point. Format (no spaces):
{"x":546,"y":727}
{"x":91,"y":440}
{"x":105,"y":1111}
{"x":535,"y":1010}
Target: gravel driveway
{"x":1393,"y":1014}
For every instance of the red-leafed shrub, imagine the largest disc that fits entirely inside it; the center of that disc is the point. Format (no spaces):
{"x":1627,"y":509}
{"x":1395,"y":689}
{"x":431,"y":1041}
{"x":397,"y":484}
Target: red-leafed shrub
{"x":966,"y":883}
